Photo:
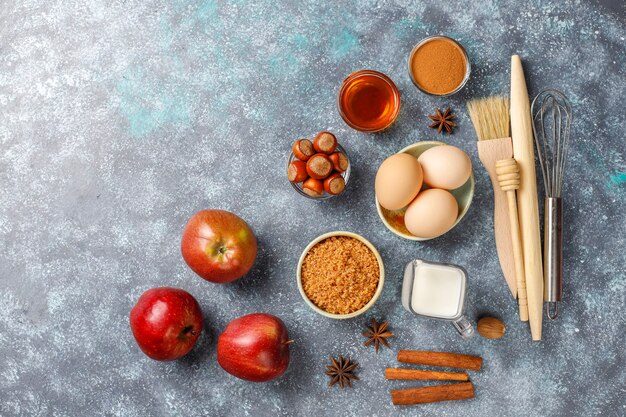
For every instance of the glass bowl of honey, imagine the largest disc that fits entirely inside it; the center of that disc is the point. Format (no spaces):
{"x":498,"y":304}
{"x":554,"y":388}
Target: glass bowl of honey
{"x":368,"y":101}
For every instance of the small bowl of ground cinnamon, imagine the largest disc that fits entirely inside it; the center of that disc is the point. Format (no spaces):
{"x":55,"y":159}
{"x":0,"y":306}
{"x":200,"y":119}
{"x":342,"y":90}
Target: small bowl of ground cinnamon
{"x":439,"y":65}
{"x":340,"y":275}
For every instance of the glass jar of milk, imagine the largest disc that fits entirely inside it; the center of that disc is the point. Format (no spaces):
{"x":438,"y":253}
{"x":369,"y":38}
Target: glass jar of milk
{"x":437,"y":291}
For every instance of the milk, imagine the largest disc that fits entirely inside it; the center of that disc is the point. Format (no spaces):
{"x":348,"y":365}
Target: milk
{"x":438,"y":291}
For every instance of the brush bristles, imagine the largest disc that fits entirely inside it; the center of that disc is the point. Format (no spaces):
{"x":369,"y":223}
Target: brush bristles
{"x":490,"y":117}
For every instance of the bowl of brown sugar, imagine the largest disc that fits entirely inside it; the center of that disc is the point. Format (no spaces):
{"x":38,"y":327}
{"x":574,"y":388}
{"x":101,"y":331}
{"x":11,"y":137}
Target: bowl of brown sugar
{"x":439,"y":65}
{"x":340,"y":275}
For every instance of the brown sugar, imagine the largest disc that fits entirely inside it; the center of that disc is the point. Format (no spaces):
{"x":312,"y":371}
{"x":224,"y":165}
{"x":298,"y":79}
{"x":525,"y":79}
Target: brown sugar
{"x":340,"y":274}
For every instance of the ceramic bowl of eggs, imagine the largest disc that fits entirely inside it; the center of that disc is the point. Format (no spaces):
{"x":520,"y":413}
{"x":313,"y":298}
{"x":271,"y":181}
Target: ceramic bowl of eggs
{"x":424,"y":190}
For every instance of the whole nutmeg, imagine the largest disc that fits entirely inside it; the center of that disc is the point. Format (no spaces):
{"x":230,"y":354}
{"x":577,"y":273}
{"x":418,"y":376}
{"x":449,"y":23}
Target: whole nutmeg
{"x":491,"y":328}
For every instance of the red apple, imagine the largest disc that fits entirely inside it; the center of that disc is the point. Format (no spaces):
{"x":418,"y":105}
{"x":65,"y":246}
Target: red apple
{"x":166,"y":323}
{"x":254,"y":347}
{"x":218,"y":245}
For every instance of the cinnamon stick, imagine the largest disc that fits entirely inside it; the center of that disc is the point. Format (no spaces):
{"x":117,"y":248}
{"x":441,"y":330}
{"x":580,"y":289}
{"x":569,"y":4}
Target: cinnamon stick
{"x":445,"y":359}
{"x":416,"y":374}
{"x":435,"y":393}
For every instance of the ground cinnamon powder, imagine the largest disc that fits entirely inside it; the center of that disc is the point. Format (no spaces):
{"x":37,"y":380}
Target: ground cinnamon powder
{"x":438,"y":66}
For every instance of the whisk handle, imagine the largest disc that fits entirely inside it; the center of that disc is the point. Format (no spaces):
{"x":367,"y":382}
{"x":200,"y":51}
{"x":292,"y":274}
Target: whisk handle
{"x":553,"y":254}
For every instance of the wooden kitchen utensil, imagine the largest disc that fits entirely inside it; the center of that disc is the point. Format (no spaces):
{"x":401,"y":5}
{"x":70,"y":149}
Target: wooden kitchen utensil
{"x":509,"y":180}
{"x":490,"y":117}
{"x":527,"y":201}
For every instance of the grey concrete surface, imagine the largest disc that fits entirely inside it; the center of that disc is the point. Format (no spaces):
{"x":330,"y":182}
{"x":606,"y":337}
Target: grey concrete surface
{"x":119,"y":119}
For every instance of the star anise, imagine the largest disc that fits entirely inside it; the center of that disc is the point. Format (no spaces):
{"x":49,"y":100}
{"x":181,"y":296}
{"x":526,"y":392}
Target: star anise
{"x":341,"y":371}
{"x":443,"y":120}
{"x":377,"y":334}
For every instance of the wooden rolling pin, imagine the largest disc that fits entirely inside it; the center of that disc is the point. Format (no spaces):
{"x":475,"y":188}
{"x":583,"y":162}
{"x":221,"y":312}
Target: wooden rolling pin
{"x":527,"y":202}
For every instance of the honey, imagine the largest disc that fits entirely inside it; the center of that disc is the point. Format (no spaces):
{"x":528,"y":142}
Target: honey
{"x":368,"y":101}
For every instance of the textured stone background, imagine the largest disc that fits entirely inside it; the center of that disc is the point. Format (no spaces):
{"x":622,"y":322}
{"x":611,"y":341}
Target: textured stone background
{"x":119,"y":119}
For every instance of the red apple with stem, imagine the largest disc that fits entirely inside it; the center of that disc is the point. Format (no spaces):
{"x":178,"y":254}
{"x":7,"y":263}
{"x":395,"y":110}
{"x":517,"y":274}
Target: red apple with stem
{"x":166,"y":323}
{"x":218,"y":245}
{"x":254,"y":347}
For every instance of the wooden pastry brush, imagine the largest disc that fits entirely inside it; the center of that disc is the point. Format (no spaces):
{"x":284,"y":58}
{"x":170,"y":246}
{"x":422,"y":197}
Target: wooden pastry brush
{"x":490,"y":117}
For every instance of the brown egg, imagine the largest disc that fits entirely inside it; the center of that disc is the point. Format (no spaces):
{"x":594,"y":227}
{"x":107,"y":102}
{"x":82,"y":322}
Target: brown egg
{"x":445,"y":166}
{"x":432,"y":213}
{"x":398,"y":180}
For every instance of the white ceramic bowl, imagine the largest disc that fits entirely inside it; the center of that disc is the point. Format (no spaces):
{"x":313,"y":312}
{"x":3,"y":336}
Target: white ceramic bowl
{"x":394,"y":220}
{"x":370,"y":303}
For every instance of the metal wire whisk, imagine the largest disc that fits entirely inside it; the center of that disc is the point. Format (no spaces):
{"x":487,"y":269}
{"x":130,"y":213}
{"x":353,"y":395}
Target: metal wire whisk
{"x":552,"y":119}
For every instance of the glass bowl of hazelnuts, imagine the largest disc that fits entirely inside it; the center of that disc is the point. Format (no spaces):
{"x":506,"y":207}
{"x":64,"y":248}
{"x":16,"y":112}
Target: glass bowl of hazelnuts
{"x":318,"y":169}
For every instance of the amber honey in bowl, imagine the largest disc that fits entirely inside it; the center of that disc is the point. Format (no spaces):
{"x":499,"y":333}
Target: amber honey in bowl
{"x":368,"y":101}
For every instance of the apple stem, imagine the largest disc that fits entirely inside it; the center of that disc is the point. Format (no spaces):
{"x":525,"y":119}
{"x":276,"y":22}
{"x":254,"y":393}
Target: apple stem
{"x":288,"y":342}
